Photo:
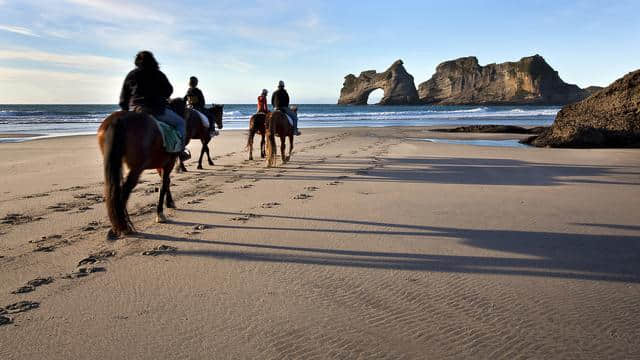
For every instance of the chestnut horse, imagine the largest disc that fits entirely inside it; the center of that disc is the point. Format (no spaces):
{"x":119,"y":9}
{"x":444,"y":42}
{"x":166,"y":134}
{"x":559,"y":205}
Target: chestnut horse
{"x":277,"y":123}
{"x":133,"y":138}
{"x":196,"y":130}
{"x":256,"y":125}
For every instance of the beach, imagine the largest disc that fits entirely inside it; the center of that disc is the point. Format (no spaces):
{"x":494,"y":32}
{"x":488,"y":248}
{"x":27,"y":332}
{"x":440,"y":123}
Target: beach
{"x":370,"y":243}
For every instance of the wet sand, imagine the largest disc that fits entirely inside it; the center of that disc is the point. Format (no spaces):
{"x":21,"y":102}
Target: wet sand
{"x":368,"y":244}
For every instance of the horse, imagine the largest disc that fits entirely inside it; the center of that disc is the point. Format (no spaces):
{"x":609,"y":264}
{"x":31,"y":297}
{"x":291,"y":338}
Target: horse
{"x":196,"y":130}
{"x":277,"y":123}
{"x":133,"y":138}
{"x":256,"y":125}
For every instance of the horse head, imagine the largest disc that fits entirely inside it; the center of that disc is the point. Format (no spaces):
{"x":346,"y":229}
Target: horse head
{"x":215,"y":112}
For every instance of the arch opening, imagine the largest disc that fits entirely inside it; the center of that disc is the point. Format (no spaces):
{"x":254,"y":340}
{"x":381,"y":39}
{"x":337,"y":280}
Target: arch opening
{"x":375,"y":96}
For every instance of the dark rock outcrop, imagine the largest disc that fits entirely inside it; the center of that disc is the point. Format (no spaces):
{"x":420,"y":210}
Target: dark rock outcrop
{"x":608,"y":118}
{"x":494,"y":129}
{"x":528,"y":81}
{"x":396,"y":82}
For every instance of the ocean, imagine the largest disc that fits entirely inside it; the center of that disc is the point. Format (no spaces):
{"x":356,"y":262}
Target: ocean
{"x":63,"y":120}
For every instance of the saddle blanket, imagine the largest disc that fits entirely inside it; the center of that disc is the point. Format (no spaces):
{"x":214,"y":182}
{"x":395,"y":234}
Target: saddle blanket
{"x":171,"y":138}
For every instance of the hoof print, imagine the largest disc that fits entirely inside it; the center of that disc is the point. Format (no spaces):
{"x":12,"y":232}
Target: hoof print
{"x":22,"y":306}
{"x":5,"y":320}
{"x":23,"y":290}
{"x":160,"y":250}
{"x":40,"y":281}
{"x":302,"y":197}
{"x":85,"y":271}
{"x":44,"y":249}
{"x":200,"y":227}
{"x":311,"y":188}
{"x":270,"y":205}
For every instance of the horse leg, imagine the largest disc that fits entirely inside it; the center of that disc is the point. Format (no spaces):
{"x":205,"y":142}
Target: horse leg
{"x":206,"y":148}
{"x":262,"y":144}
{"x":250,"y":143}
{"x":283,"y":146}
{"x":201,"y":155}
{"x":290,"y":147}
{"x":166,"y":183}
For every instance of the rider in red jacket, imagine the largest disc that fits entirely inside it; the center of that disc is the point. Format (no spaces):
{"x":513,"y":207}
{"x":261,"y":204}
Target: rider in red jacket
{"x":262,"y":102}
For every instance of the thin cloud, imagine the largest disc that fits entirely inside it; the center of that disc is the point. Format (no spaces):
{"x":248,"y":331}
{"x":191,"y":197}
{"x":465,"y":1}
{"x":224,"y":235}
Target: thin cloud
{"x":76,"y":61}
{"x":124,"y":10}
{"x":18,"y":30}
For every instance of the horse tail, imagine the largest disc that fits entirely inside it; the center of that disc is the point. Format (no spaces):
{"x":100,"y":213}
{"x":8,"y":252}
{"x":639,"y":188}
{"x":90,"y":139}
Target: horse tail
{"x":250,"y":137}
{"x":271,"y":140}
{"x":114,"y":150}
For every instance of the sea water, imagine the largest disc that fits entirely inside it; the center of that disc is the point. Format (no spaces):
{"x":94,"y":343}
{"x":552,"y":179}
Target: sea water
{"x":61,"y":120}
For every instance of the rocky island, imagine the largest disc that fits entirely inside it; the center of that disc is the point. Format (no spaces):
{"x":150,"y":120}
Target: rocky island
{"x":397,"y":83}
{"x":528,"y":81}
{"x":463,"y":81}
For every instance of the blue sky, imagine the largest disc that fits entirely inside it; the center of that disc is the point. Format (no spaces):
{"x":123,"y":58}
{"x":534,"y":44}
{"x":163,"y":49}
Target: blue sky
{"x":78,"y":51}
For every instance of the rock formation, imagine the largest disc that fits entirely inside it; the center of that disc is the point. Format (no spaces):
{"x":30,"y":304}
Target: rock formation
{"x":609,"y":118}
{"x":528,"y":81}
{"x":396,"y":82}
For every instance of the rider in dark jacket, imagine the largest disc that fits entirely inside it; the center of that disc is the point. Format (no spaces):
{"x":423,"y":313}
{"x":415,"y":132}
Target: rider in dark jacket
{"x":280,"y":101}
{"x":194,"y":96}
{"x":147,"y":89}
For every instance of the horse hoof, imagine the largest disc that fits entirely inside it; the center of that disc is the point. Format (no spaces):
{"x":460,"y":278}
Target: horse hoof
{"x":211,"y":163}
{"x":199,"y":167}
{"x":111,"y":235}
{"x":161,"y":219}
{"x":171,"y":205}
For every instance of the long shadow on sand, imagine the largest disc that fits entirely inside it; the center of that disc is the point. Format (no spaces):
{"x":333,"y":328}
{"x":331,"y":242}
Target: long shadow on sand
{"x":556,"y":255}
{"x":465,"y":171}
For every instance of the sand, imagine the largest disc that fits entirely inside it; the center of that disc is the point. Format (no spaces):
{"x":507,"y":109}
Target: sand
{"x":368,"y":244}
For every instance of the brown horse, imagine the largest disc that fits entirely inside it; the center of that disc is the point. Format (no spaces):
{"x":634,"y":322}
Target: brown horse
{"x":256,"y":125}
{"x":278,"y":124}
{"x":196,"y":130}
{"x":135,"y":139}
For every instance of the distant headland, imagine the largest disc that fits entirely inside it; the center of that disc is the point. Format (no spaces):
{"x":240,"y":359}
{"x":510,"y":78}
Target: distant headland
{"x":529,"y":81}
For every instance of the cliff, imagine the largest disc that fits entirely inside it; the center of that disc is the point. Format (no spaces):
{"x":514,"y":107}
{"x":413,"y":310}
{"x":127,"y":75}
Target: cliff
{"x":528,"y":81}
{"x":608,"y":118}
{"x":396,"y":82}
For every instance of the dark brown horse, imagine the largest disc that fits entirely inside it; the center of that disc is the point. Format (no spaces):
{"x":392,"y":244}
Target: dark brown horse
{"x":197,"y":130}
{"x":278,"y":124}
{"x":133,"y":138}
{"x":256,"y":125}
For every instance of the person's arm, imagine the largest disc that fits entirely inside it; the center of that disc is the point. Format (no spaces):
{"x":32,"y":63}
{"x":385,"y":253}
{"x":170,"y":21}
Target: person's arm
{"x":259,"y":101}
{"x":201,"y":99}
{"x":125,"y":94}
{"x":167,"y":89}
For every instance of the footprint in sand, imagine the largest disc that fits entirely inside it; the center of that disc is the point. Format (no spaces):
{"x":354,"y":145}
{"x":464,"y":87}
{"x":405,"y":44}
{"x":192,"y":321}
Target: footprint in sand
{"x":245,"y":218}
{"x":33,"y":196}
{"x":302,"y":197}
{"x":5,"y":320}
{"x":311,"y":188}
{"x":334,"y":183}
{"x":21,"y":306}
{"x":60,"y":207}
{"x":161,"y":250}
{"x":45,"y":238}
{"x":270,"y":205}
{"x":44,"y":248}
{"x":96,"y":257}
{"x":247,"y":186}
{"x":32,"y":285}
{"x":18,"y":219}
{"x":84,"y":271}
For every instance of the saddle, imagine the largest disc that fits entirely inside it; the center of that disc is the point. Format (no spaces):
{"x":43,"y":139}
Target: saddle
{"x":287,"y":116}
{"x":171,"y":139}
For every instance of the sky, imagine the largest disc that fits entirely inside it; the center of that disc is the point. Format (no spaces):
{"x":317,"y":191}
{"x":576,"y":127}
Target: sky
{"x":79,"y":51}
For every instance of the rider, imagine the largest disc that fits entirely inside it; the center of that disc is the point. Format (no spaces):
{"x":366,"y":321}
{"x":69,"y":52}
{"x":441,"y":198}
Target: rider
{"x":280,"y":101}
{"x":146,"y":89}
{"x":262,"y":102}
{"x":195,"y":99}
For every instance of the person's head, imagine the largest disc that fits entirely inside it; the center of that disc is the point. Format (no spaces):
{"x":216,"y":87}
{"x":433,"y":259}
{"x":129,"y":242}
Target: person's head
{"x":193,"y":81}
{"x":264,"y":92}
{"x":145,"y":60}
{"x":281,"y":84}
